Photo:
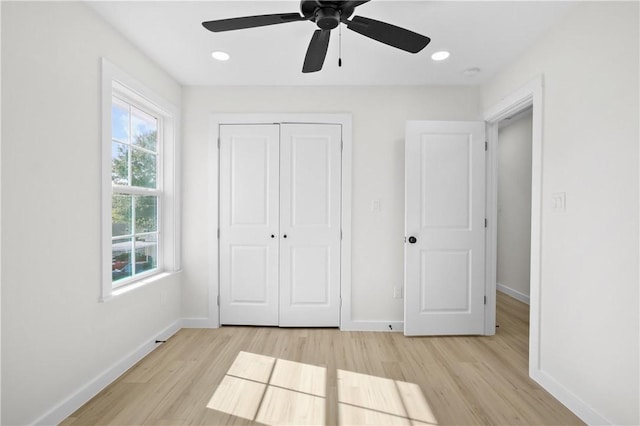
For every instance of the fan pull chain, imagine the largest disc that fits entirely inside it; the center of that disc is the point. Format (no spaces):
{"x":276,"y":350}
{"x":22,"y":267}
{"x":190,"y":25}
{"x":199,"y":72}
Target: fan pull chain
{"x":340,"y":45}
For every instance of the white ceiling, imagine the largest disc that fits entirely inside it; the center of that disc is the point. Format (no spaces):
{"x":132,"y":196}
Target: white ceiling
{"x":483,"y":34}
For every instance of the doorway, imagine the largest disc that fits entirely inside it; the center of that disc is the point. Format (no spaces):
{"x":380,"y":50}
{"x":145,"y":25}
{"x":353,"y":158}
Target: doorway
{"x":527,"y":97}
{"x":514,"y":205}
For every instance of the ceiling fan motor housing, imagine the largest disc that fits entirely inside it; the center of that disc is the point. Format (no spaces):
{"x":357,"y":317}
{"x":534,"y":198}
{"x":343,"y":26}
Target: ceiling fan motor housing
{"x":327,"y":14}
{"x":327,"y":18}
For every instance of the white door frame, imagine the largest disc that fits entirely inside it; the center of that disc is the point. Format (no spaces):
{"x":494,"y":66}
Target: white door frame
{"x":216,"y":120}
{"x":530,"y":95}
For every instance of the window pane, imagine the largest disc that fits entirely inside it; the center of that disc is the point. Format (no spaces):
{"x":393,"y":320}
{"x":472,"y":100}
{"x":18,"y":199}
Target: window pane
{"x":146,"y":253}
{"x":143,"y":169}
{"x":121,"y":218}
{"x":146,"y":214}
{"x":119,"y":163}
{"x":121,"y":250}
{"x":144,"y":128}
{"x":119,"y":120}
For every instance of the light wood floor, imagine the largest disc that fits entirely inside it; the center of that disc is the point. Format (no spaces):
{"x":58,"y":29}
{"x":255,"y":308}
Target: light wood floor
{"x":368,"y":377}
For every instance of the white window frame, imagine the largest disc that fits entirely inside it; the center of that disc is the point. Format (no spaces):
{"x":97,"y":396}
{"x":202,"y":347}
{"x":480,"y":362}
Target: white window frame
{"x":116,"y":82}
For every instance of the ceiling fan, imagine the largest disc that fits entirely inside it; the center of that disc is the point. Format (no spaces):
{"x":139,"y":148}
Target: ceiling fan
{"x":327,"y":15}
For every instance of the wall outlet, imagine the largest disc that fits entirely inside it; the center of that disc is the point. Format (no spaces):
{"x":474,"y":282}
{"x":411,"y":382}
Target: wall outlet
{"x":397,"y":292}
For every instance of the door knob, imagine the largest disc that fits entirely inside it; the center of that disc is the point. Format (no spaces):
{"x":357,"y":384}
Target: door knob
{"x":284,"y":236}
{"x":413,"y":240}
{"x":273,"y":236}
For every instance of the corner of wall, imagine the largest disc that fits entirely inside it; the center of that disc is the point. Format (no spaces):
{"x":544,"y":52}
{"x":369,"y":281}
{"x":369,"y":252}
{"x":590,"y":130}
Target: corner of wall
{"x":579,"y":407}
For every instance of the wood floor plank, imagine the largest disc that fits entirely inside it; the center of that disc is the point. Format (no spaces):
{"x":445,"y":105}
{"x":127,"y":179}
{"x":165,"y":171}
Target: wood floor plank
{"x":385,"y":378}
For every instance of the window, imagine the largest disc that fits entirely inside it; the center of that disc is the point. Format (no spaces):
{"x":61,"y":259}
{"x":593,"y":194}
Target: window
{"x":136,"y":190}
{"x":140,"y":215}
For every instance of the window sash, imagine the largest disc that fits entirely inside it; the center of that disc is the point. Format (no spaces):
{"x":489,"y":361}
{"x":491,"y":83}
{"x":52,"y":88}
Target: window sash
{"x":135,"y":190}
{"x":130,"y":103}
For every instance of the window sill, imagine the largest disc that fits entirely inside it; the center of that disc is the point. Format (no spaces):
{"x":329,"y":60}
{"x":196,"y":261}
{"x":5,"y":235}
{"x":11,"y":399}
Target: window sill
{"x":136,"y":285}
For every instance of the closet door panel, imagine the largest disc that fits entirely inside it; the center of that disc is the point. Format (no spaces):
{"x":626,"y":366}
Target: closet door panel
{"x":310,"y":274}
{"x":310,"y":194}
{"x":249,"y":192}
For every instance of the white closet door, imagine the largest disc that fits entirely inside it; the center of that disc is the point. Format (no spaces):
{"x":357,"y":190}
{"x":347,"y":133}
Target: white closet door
{"x":310,"y":196}
{"x":249,"y":224}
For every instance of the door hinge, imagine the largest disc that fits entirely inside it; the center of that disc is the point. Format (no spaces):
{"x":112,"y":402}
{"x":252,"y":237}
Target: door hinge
{"x":486,"y":223}
{"x":485,"y":300}
{"x":341,"y":145}
{"x":486,"y":146}
{"x":218,"y":300}
{"x":218,"y":233}
{"x":340,"y":234}
{"x":218,"y":143}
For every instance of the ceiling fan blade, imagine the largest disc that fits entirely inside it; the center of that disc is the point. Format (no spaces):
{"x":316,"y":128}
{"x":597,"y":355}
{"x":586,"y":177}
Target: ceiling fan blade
{"x":389,"y":34}
{"x":317,"y":51}
{"x":251,"y":21}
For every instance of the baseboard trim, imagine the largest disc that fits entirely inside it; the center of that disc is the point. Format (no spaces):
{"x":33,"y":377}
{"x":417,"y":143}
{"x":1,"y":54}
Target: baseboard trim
{"x":372,"y":326}
{"x":513,"y":293}
{"x":566,"y":397}
{"x":198,"y":323}
{"x":64,"y":409}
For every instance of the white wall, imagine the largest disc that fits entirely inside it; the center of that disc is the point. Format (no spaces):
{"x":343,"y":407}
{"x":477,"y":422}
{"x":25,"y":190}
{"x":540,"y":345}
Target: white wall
{"x":589,"y":331}
{"x":514,"y":206}
{"x":379,"y":115}
{"x":0,"y":222}
{"x":56,"y":337}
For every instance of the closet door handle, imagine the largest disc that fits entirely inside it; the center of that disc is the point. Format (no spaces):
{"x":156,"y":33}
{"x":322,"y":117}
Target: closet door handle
{"x":273,"y":236}
{"x":284,"y":236}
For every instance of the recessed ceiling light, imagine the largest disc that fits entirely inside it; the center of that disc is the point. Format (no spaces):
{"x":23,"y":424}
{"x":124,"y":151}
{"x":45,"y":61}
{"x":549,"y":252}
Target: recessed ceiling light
{"x":220,"y":56}
{"x":440,"y":56}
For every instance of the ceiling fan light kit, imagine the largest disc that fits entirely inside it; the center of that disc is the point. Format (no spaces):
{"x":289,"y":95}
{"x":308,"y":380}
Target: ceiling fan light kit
{"x":327,"y":15}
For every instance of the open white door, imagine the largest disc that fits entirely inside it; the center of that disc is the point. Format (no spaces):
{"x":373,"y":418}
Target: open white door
{"x":444,"y":228}
{"x":310,"y":194}
{"x":249,"y":205}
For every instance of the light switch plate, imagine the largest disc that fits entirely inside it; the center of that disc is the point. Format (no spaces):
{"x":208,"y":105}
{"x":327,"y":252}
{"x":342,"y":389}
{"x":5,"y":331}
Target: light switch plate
{"x":559,"y":202}
{"x":397,"y":292}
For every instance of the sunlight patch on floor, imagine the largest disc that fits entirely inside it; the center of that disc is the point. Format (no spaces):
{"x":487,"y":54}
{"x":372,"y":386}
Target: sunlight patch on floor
{"x":274,"y":391}
{"x":365,"y":399}
{"x":285,"y":407}
{"x":238,"y":397}
{"x":252,"y":367}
